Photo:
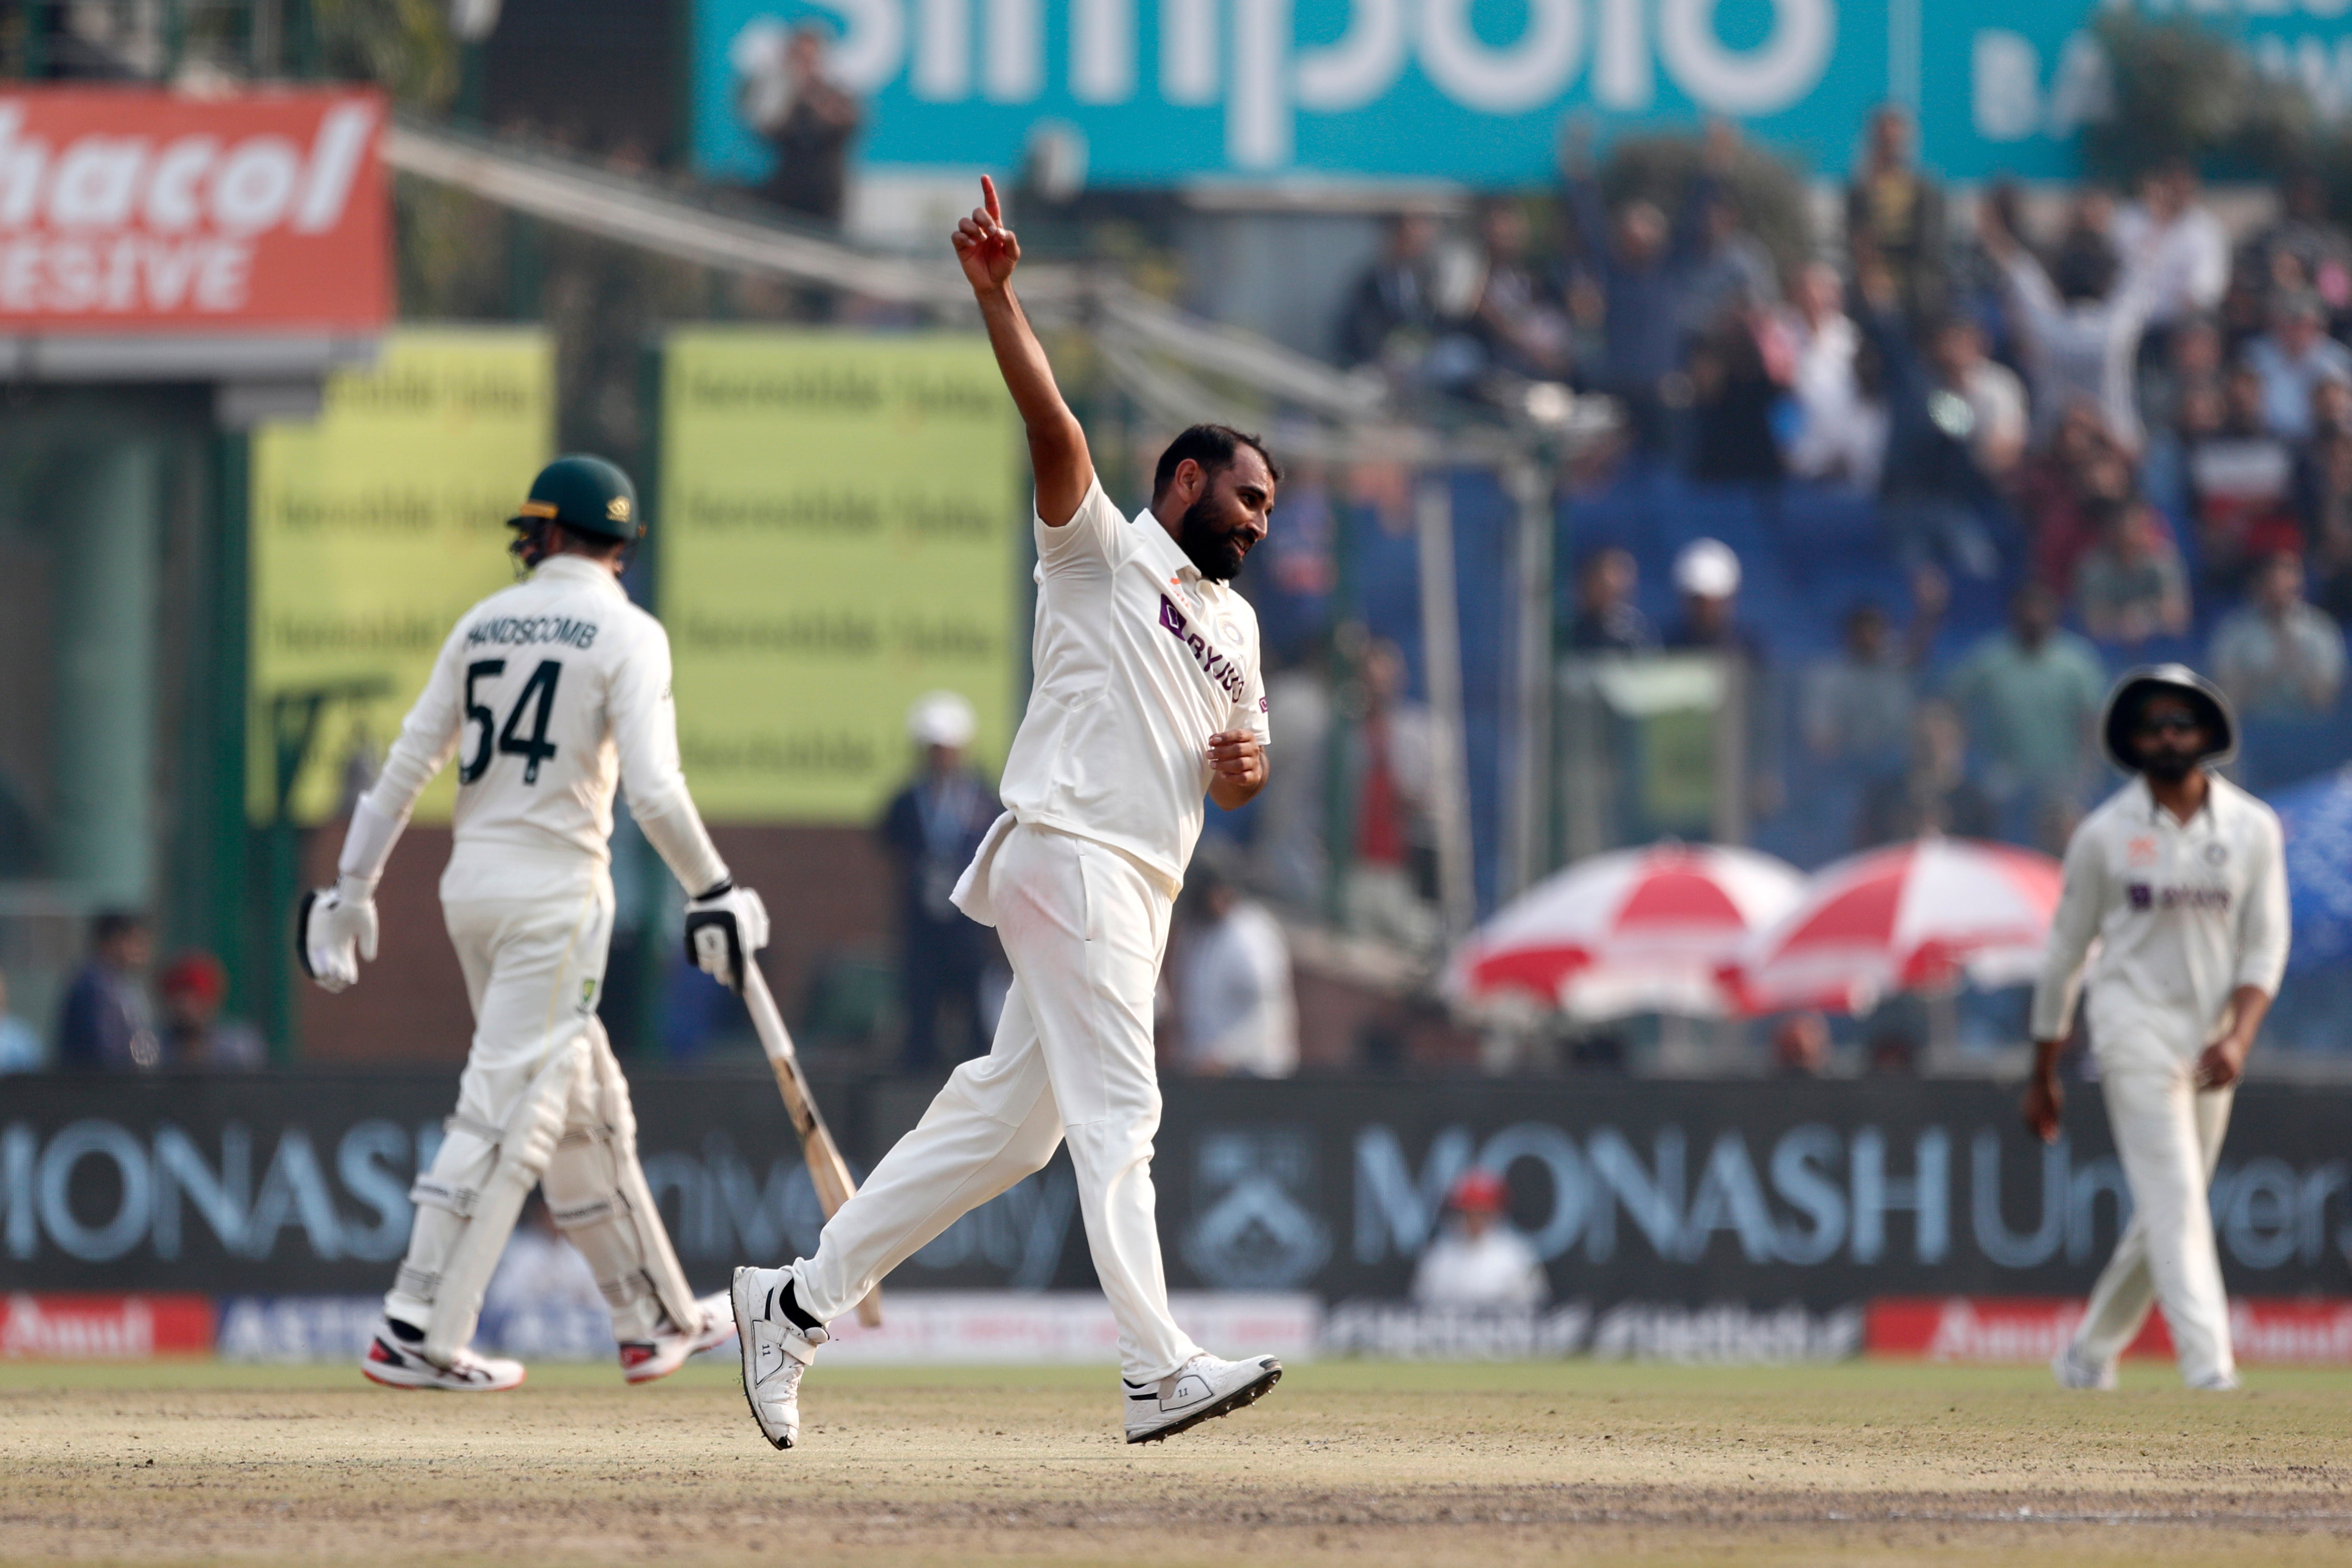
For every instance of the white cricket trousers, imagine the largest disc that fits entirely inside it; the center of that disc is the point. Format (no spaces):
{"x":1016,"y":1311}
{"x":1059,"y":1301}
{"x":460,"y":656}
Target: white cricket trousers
{"x":2169,"y":1133}
{"x":1084,"y":927}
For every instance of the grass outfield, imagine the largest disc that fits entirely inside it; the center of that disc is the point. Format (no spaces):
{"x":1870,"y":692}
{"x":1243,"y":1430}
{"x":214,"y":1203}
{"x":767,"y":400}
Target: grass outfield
{"x":1365,"y":1463}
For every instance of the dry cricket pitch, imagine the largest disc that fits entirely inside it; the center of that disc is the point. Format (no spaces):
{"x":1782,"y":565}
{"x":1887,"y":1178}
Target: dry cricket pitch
{"x":1366,"y":1464}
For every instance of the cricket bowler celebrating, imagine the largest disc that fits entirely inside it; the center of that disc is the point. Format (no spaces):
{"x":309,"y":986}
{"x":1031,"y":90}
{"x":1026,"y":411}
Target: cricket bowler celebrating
{"x":547,"y":693}
{"x":2180,"y":879}
{"x":1147,"y":694}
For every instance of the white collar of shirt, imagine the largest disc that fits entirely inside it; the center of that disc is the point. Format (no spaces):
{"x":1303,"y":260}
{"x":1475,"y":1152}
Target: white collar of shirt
{"x":2208,"y":814}
{"x":1169,"y":560}
{"x":577,"y":569}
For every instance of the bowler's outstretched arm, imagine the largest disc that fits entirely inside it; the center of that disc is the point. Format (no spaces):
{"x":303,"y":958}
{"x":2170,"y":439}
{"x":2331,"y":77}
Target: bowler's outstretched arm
{"x":1058,"y":443}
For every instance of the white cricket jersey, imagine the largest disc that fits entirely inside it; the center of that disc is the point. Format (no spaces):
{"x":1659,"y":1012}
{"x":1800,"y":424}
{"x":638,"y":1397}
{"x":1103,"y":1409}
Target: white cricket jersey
{"x":2183,"y":914}
{"x":1498,"y":1269}
{"x":1139,"y":660}
{"x":547,"y":694}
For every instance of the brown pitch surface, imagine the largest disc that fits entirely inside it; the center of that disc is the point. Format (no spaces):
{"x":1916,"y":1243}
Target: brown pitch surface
{"x":1361,"y":1463}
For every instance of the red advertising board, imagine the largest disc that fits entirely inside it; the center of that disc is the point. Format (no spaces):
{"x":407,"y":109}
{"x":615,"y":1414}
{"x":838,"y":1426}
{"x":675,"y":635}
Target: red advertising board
{"x":134,"y":211}
{"x":103,"y":1328}
{"x":2276,"y":1332}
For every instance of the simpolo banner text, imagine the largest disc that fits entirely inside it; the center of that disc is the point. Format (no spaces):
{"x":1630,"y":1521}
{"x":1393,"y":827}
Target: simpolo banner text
{"x":374,"y":527}
{"x":1812,"y":1195}
{"x":840,"y":530}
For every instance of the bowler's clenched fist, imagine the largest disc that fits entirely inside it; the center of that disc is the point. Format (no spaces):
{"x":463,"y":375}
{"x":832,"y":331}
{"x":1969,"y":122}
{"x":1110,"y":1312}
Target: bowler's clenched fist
{"x":1238,"y":756}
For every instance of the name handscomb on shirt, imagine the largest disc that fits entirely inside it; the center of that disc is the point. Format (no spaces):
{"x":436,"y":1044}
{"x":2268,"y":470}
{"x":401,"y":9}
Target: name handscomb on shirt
{"x":1215,"y":664}
{"x":521,"y":631}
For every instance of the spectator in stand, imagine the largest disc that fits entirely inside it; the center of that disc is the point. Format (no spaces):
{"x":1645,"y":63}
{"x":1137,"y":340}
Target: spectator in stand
{"x":2081,"y":348}
{"x":1956,"y":430}
{"x":2327,"y":518}
{"x":1520,"y":317}
{"x":1733,"y":270}
{"x":1707,"y":576}
{"x":1388,"y":314}
{"x":1479,"y":1261}
{"x":2239,"y":481}
{"x":195,"y":988}
{"x":1934,"y":794}
{"x":2278,"y":653}
{"x":104,"y":1025}
{"x":1841,"y":430}
{"x":2293,"y":358}
{"x":1393,"y":762}
{"x":2051,"y":489}
{"x":2131,"y":585}
{"x":1607,"y":620}
{"x":931,"y":830}
{"x":1895,"y":217}
{"x":20,"y":1049}
{"x":1234,"y":996}
{"x":2303,"y":233}
{"x":1801,"y":1045}
{"x":1857,"y":707}
{"x":2029,"y":694}
{"x":2175,"y":252}
{"x":789,"y":98}
{"x":1739,"y":370}
{"x":2192,"y":358}
{"x":1644,"y":271}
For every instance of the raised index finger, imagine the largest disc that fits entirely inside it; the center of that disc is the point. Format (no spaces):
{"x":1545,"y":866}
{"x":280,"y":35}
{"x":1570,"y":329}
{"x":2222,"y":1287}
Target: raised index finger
{"x":988,"y":195}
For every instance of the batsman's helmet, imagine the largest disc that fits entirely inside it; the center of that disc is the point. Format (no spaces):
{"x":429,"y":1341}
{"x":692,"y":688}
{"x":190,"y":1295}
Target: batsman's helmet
{"x":586,"y":495}
{"x":2122,"y":712}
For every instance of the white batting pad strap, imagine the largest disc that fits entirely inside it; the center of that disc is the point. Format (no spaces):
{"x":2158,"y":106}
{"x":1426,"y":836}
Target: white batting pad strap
{"x":417,"y":1284}
{"x":432,"y":1194}
{"x":625,"y":1291}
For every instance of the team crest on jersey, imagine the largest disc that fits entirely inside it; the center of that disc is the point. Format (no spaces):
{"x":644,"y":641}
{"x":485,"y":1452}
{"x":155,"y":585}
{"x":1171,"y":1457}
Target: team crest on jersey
{"x":2217,"y":854}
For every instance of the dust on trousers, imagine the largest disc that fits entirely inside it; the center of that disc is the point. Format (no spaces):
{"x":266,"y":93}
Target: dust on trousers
{"x":542,"y":1099}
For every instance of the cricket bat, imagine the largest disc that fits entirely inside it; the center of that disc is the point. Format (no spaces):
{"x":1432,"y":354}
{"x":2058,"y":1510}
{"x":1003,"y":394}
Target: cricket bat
{"x":826,"y":1168}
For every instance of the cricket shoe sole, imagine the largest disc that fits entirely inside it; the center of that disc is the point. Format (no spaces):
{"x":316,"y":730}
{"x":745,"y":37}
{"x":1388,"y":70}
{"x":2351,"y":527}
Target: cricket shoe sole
{"x":1200,"y":1390}
{"x":392,"y":1365}
{"x":644,"y":1361}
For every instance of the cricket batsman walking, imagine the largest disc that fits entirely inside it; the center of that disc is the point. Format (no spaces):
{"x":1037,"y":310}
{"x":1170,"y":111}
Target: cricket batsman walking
{"x":548,"y":693}
{"x":2179,"y":879}
{"x":1148,"y":695}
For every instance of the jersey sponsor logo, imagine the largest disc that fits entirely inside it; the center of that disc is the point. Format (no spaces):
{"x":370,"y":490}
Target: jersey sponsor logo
{"x":521,"y":631}
{"x":2144,"y":896}
{"x":2140,"y":851}
{"x":1214,"y":662}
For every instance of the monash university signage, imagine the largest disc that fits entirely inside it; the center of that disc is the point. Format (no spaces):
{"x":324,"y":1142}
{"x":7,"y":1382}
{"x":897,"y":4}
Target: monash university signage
{"x":1764,"y":1194}
{"x":1162,"y":91}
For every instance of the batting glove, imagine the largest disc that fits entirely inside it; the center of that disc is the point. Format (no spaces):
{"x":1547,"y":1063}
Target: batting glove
{"x":336,"y":929}
{"x":724,"y":928}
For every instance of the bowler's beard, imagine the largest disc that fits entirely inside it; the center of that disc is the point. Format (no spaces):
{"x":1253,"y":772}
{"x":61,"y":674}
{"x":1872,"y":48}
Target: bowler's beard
{"x":1216,"y":552}
{"x":2167,"y":765}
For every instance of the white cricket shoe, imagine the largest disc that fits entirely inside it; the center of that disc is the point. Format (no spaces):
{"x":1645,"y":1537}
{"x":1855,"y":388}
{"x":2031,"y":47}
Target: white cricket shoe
{"x":2220,"y":1383}
{"x":775,"y":1352}
{"x":2073,"y":1369}
{"x":396,"y":1364}
{"x":642,"y":1361}
{"x":1200,"y":1390}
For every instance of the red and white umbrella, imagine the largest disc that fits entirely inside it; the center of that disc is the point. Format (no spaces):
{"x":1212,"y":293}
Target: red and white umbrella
{"x":1911,"y":917}
{"x":1633,"y":931}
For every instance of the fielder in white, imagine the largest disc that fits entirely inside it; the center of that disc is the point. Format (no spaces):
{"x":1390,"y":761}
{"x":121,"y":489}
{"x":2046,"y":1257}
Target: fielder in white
{"x":547,"y":694}
{"x":2179,"y":882}
{"x":1148,"y":695}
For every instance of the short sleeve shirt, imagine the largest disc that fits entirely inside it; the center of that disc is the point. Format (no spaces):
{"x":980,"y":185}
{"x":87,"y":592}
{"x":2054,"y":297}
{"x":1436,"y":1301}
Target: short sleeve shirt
{"x":1139,"y":660}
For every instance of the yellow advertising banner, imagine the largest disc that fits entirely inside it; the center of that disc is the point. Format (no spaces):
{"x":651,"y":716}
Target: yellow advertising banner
{"x":841,"y":530}
{"x":375,"y":527}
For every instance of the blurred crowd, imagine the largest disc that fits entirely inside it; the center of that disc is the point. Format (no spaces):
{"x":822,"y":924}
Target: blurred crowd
{"x":2132,"y":424}
{"x":119,"y":1015}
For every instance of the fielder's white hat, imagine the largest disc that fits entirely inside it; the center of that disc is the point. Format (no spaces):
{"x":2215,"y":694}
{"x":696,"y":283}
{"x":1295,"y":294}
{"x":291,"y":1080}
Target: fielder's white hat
{"x":1706,"y":569}
{"x":941,"y":719}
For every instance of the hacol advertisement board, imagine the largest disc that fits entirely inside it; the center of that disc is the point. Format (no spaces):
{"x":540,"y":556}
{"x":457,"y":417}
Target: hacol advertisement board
{"x":132,"y":210}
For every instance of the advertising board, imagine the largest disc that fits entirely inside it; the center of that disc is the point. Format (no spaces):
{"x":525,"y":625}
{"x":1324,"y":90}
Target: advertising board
{"x":132,"y":210}
{"x":1474,"y":91}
